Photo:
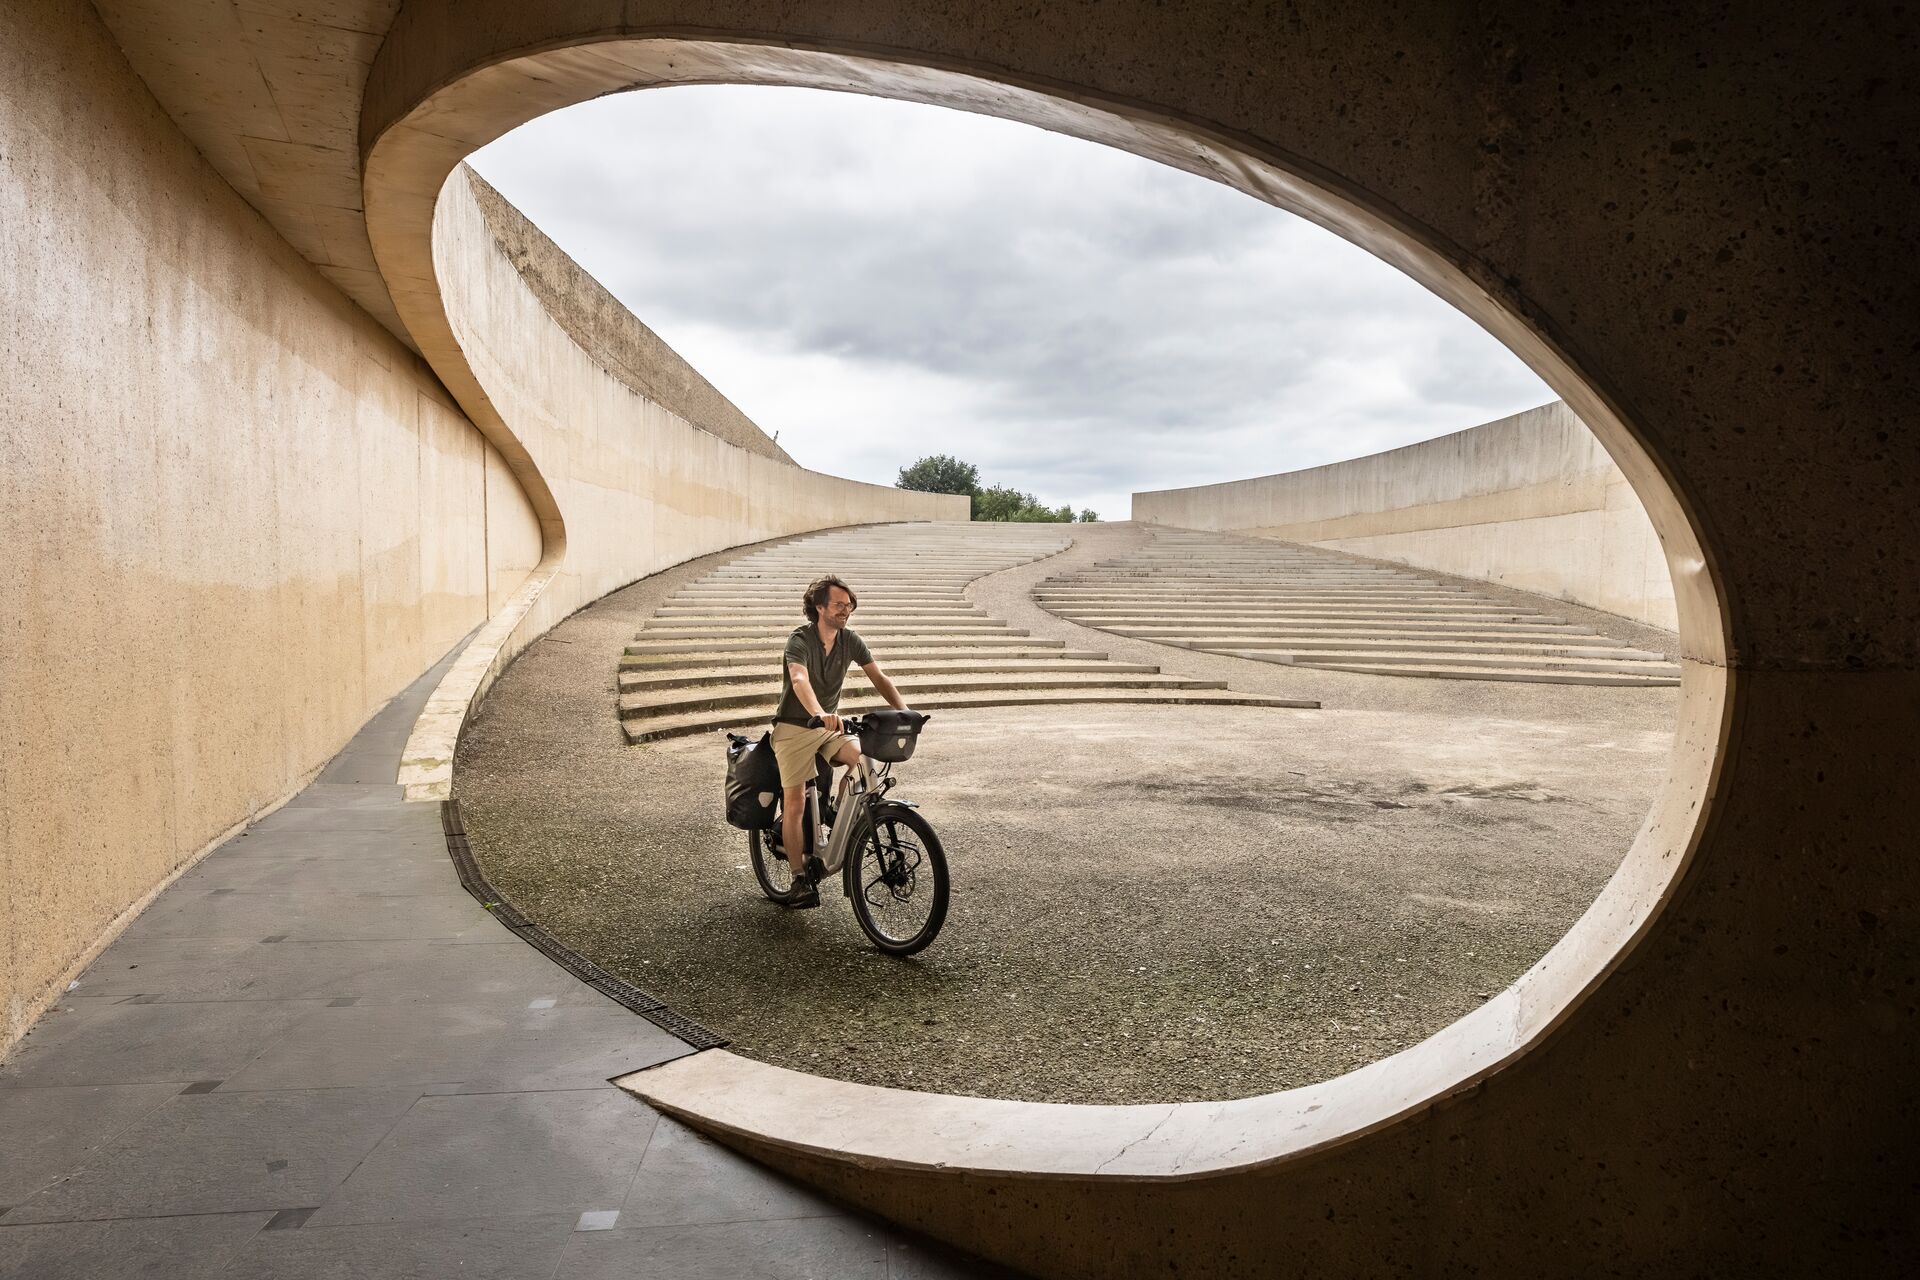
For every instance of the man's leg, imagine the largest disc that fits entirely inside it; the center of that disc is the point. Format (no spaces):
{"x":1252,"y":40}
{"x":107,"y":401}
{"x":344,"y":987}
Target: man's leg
{"x":792,"y":827}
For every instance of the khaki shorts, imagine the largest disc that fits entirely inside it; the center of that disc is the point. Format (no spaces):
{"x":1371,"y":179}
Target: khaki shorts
{"x":796,"y":748}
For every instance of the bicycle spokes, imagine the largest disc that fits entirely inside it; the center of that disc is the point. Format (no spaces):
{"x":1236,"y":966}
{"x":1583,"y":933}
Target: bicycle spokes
{"x":897,"y":860}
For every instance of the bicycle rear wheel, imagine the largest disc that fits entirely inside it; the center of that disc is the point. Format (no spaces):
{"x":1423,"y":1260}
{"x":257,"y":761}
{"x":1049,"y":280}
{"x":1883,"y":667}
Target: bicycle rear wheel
{"x":898,"y":878}
{"x":769,"y":864}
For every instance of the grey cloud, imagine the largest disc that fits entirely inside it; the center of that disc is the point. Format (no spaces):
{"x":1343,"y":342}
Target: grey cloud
{"x":1085,"y":298}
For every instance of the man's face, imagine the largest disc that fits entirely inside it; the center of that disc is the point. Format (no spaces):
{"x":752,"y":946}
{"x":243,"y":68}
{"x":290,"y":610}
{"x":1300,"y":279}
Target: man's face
{"x":838,"y":608}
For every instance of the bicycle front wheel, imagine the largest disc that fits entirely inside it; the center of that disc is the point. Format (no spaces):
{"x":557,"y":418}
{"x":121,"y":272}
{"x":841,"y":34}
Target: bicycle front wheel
{"x":898,"y":878}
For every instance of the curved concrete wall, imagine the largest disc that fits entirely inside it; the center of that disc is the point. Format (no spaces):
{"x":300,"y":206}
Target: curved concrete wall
{"x":629,"y":485}
{"x":639,"y":486}
{"x":1531,"y":501}
{"x":236,"y":515}
{"x":1574,"y":181}
{"x":1685,"y":224}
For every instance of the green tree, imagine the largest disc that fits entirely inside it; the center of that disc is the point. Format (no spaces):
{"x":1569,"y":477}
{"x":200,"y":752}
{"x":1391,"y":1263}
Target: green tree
{"x":1089,"y":516}
{"x":1003,"y":502}
{"x":939,"y":473}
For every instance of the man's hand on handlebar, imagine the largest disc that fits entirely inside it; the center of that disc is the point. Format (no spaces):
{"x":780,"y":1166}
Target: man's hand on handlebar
{"x":854,"y":724}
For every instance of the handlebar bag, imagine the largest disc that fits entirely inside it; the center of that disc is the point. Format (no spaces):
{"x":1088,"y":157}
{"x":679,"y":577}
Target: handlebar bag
{"x":890,"y":735}
{"x":753,"y":784}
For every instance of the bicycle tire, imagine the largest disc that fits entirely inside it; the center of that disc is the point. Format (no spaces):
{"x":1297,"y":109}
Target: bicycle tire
{"x":769,"y":868}
{"x":894,"y":865}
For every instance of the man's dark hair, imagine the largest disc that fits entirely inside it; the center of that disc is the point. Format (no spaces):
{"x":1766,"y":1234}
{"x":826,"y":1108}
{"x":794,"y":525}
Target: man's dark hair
{"x":817,"y":596}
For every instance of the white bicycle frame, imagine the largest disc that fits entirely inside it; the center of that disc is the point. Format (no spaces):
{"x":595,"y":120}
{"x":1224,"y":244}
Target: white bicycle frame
{"x":835,"y":856}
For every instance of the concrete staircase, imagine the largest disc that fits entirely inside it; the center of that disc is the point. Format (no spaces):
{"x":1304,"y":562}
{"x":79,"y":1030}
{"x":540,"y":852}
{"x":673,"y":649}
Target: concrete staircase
{"x":1284,"y":602}
{"x":709,"y":658}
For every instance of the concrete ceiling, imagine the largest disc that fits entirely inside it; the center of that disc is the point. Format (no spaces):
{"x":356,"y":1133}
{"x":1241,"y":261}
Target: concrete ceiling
{"x":270,"y":92}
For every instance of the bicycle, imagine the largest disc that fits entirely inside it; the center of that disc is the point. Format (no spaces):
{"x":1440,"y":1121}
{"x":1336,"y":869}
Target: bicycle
{"x":890,"y":862}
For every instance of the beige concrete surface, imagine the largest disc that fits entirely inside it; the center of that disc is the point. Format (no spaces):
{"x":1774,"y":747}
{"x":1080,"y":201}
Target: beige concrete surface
{"x":1586,"y":269}
{"x":1531,"y":501}
{"x":608,"y":332}
{"x":235,"y":514}
{"x":269,"y":93}
{"x":626,"y":486}
{"x":1152,"y":904}
{"x":1257,"y":598}
{"x":1691,"y":226}
{"x":699,"y":664}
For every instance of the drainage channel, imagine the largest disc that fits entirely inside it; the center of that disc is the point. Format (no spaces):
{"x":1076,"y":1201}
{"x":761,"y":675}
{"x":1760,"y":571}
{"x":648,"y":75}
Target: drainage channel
{"x":618,"y":990}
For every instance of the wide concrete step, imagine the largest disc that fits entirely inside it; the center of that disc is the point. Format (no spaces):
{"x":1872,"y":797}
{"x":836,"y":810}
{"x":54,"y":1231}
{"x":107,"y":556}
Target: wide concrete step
{"x":877,"y":559}
{"x":1507,"y":674}
{"x":710,"y":656}
{"x":770,"y":643}
{"x":1311,"y":607}
{"x":696,"y":658}
{"x":1427,"y":657}
{"x":766,"y":693}
{"x":1283,"y":599}
{"x":1383,"y":630}
{"x":648,"y":729}
{"x":1405,"y":644}
{"x":779,"y":633}
{"x":1350,"y":626}
{"x":772,"y":610}
{"x":867,"y":578}
{"x":1237,"y":592}
{"x":1573,"y":647}
{"x":1283,"y":616}
{"x":640,"y":680}
{"x":788,"y":602}
{"x":1361,"y":644}
{"x":1228,"y":575}
{"x":861,"y":621}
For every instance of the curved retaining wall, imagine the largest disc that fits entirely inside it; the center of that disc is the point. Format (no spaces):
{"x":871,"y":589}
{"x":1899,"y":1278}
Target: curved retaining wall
{"x":639,"y":487}
{"x":236,"y":515}
{"x":1531,"y":501}
{"x":635,"y":486}
{"x":1686,"y":229}
{"x":1523,"y":166}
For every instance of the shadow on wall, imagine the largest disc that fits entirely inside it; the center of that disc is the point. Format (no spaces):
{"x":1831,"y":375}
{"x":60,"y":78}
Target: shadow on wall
{"x":1532,"y":501}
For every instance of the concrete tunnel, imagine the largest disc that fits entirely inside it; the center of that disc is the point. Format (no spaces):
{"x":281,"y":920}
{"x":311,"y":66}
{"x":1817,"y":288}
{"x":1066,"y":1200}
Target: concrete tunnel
{"x":238,"y":235}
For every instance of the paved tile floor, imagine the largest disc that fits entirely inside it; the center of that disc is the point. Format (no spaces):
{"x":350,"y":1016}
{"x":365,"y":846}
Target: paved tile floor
{"x":316,"y":1056}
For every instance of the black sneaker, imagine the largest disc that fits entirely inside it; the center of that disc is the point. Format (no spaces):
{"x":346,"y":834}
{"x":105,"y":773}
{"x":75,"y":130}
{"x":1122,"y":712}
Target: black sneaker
{"x":803,"y":894}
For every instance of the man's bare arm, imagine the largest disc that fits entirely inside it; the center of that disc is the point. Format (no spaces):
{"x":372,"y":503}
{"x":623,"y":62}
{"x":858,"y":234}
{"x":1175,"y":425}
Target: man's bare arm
{"x":884,"y":685}
{"x":803,"y":690}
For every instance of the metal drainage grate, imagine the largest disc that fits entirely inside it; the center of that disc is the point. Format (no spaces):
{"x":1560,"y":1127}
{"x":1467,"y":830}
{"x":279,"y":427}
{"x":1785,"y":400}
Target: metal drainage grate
{"x":616,"y":989}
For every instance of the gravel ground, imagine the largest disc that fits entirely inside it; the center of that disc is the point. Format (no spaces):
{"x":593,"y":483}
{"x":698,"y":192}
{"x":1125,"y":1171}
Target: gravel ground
{"x":1150,"y":903}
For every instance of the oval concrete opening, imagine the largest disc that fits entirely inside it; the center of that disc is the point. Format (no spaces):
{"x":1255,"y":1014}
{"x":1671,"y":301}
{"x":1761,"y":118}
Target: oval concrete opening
{"x":418,"y":129}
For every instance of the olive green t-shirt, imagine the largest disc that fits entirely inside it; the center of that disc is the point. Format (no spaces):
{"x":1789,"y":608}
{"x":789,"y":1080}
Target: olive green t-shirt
{"x":825,"y":671}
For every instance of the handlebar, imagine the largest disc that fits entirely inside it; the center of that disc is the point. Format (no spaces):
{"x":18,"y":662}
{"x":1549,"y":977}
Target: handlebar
{"x":856,"y":725}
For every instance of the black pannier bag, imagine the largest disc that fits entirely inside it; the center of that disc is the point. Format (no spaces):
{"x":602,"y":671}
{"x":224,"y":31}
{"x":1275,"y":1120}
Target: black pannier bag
{"x":891,"y":735}
{"x":753,"y":782}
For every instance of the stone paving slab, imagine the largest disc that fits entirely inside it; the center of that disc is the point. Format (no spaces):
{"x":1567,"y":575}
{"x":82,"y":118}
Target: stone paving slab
{"x":200,"y":1245}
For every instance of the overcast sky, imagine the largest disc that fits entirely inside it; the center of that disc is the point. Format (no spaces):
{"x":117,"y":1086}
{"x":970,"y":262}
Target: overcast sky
{"x":877,"y":281}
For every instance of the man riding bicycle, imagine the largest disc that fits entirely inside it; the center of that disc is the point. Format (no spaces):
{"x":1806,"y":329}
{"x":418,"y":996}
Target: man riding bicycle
{"x":812,"y":669}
